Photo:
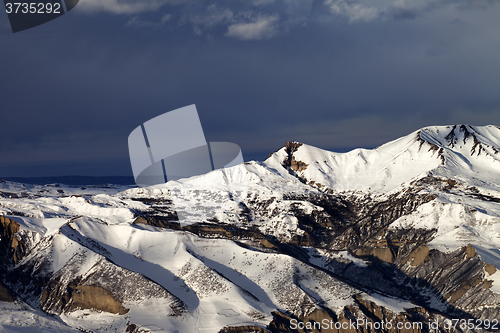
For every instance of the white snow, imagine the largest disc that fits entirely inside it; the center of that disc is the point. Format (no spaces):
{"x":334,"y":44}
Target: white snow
{"x":400,"y":161}
{"x":223,"y":283}
{"x":45,"y":227}
{"x":18,"y":317}
{"x":393,"y":304}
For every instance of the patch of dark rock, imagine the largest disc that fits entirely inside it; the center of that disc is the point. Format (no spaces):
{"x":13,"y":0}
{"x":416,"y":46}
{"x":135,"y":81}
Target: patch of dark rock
{"x":451,"y":137}
{"x":9,"y":195}
{"x":290,"y":162}
{"x":12,"y":248}
{"x":5,"y":295}
{"x":244,"y":329}
{"x":58,"y":298}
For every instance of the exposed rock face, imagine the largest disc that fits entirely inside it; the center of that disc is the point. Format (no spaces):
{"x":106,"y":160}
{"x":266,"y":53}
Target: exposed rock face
{"x":5,"y":295}
{"x":364,"y":316}
{"x":458,"y":276}
{"x":59,"y":297}
{"x":466,"y":132}
{"x":417,"y":256}
{"x":95,"y":298}
{"x":77,"y":297}
{"x":14,"y":242}
{"x":432,"y":147}
{"x":344,"y":222}
{"x":11,"y":249}
{"x":133,"y":328}
{"x":290,"y":162}
{"x":490,"y":269}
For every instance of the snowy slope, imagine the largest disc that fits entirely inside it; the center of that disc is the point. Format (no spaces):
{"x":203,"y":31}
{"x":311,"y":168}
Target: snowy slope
{"x":20,"y":318}
{"x":471,"y":152}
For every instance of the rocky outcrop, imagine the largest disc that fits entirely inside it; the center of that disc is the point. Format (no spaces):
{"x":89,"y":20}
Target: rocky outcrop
{"x":432,"y":147}
{"x":364,"y":316}
{"x":465,"y":132}
{"x":290,"y":162}
{"x":459,"y":277}
{"x":76,"y":296}
{"x":339,"y":222}
{"x":11,"y":249}
{"x":95,"y":298}
{"x":5,"y":295}
{"x":417,"y":256}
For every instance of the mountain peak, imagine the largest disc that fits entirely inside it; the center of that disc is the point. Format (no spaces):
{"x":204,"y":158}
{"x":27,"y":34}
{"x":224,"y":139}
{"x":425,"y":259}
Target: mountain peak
{"x":466,"y":139}
{"x":449,"y":150}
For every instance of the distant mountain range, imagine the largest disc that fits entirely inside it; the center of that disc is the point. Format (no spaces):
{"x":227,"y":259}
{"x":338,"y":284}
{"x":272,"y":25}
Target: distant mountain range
{"x":407,"y":233}
{"x":74,"y":180}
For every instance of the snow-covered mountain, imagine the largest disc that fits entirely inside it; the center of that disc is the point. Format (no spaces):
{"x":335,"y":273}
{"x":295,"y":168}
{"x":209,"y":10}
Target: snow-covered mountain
{"x":408,"y":232}
{"x":459,"y":150}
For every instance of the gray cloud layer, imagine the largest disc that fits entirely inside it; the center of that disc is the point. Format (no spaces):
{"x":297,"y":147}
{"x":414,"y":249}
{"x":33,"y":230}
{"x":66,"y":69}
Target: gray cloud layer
{"x":262,"y":19}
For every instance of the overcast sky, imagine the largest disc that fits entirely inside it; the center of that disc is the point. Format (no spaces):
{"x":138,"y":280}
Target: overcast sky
{"x":336,"y":74}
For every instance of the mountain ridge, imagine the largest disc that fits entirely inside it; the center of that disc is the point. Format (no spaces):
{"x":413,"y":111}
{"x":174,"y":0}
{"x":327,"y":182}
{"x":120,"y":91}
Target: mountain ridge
{"x":423,"y":151}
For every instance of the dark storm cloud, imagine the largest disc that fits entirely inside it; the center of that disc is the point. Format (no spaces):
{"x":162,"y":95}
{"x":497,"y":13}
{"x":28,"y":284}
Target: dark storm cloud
{"x":260,"y":19}
{"x":72,"y":90}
